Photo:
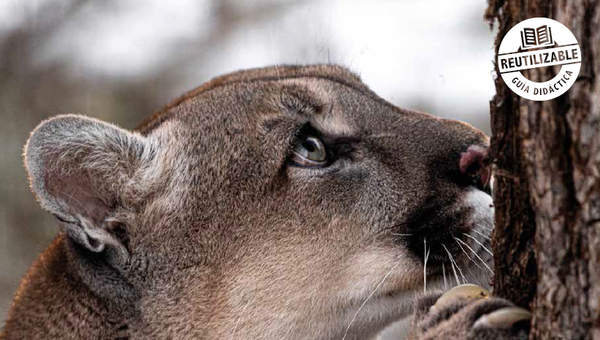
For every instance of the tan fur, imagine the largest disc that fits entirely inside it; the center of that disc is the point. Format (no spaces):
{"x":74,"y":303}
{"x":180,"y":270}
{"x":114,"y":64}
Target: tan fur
{"x":206,"y":231}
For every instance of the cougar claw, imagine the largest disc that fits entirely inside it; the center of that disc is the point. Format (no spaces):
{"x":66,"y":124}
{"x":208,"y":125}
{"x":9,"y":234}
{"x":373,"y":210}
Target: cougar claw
{"x":466,"y":291}
{"x":502,"y":318}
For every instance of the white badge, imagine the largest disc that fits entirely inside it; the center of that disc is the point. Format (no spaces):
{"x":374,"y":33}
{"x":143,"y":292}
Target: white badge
{"x":535,"y":43}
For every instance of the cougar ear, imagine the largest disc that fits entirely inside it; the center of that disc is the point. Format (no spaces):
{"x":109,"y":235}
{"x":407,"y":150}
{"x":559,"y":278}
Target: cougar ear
{"x":78,"y":169}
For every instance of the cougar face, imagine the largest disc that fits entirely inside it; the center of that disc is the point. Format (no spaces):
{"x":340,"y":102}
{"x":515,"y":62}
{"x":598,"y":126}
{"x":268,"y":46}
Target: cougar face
{"x":277,"y":203}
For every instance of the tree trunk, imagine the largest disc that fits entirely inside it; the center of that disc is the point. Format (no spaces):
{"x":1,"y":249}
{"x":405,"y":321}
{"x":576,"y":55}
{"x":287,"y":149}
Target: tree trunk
{"x":547,"y":182}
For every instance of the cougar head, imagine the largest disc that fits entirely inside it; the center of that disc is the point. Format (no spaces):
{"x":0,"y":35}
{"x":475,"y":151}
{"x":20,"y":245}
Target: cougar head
{"x":276,"y":203}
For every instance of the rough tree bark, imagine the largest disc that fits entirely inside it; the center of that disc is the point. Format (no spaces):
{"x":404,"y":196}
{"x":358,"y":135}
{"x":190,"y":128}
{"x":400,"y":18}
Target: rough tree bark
{"x":547,"y":189}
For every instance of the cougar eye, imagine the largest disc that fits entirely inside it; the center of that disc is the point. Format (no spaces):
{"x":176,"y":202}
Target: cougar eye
{"x":309,"y":152}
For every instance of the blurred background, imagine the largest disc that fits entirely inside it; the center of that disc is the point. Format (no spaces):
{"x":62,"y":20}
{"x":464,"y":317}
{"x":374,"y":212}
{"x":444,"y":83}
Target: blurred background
{"x":120,"y":60}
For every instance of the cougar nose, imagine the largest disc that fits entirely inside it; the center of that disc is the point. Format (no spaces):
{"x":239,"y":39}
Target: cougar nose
{"x":474,"y":164}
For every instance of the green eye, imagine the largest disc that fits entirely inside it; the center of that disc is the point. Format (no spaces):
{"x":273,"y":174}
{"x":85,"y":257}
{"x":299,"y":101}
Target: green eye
{"x":310,"y":152}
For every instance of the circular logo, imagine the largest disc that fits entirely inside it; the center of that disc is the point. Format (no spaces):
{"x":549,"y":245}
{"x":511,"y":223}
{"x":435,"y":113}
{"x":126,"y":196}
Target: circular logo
{"x":535,"y":43}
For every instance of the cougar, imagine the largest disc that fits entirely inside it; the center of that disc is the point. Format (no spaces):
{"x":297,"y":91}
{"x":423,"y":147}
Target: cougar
{"x":288,"y":202}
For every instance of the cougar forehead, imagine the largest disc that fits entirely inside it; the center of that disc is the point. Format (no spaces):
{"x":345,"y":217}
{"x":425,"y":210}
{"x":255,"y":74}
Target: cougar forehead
{"x":332,"y":72}
{"x":256,"y":247}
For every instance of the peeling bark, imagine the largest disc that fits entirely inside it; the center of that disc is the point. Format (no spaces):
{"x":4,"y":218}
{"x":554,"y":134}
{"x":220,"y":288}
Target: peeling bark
{"x":547,"y":190}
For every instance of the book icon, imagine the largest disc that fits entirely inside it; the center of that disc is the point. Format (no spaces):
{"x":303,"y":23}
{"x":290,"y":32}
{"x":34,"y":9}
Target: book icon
{"x":536,"y":37}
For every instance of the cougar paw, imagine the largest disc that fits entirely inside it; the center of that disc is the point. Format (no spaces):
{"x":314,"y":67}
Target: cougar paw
{"x":468,"y":312}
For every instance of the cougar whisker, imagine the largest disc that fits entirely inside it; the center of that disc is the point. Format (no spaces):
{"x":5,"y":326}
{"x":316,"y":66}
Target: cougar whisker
{"x":425,"y":257}
{"x":481,"y":244}
{"x":400,"y":234}
{"x":485,"y":237}
{"x":368,"y":298}
{"x":466,"y":254}
{"x":452,"y":265}
{"x":456,"y":264}
{"x":476,"y":255}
